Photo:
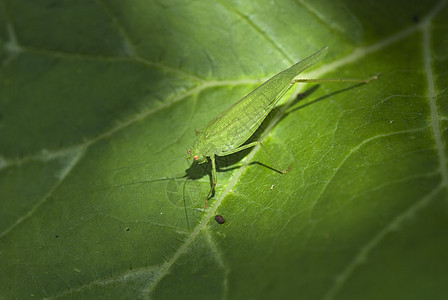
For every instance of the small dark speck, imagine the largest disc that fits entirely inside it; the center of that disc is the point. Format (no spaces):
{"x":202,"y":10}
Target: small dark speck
{"x":56,"y":236}
{"x":127,"y":229}
{"x":300,"y":96}
{"x":415,"y":19}
{"x":220,"y":219}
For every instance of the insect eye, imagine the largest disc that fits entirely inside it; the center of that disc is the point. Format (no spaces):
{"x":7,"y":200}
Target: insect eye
{"x":189,"y":151}
{"x":196,"y":157}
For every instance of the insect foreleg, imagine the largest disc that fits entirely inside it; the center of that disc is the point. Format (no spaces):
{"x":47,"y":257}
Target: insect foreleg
{"x":214,"y":178}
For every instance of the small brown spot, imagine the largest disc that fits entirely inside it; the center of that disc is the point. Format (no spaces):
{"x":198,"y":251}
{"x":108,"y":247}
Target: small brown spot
{"x":415,"y":19}
{"x":220,"y":219}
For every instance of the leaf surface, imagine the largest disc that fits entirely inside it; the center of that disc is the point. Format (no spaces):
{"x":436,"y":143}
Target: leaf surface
{"x":100,"y":100}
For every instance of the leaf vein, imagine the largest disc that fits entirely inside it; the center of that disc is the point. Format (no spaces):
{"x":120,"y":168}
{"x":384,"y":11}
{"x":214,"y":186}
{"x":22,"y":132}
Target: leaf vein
{"x":363,"y":253}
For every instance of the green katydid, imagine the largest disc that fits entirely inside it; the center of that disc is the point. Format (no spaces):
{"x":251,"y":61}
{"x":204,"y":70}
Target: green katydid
{"x":227,"y":133}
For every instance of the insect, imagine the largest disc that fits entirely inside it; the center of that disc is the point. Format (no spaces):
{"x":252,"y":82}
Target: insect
{"x":227,"y":133}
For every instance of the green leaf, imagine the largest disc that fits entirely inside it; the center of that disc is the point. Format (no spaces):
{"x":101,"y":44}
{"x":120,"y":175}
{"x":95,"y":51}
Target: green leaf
{"x":100,"y":100}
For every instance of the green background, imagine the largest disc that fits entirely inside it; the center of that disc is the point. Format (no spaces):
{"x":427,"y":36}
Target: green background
{"x":100,"y":100}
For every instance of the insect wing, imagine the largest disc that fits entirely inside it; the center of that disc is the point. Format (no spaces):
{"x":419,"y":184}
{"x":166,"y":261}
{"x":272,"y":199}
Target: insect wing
{"x":242,"y":118}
